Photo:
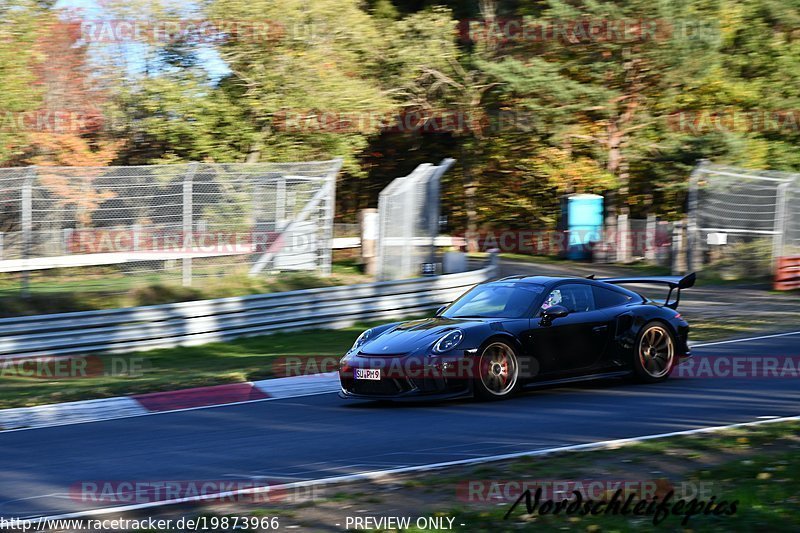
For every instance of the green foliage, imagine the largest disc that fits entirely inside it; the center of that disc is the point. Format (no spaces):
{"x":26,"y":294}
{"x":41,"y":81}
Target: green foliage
{"x":18,"y":32}
{"x":592,"y":114}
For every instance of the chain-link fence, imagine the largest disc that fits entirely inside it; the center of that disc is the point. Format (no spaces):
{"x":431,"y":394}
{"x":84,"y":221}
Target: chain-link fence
{"x":741,"y":221}
{"x":647,"y":239}
{"x":408,"y":211}
{"x":114,"y":228}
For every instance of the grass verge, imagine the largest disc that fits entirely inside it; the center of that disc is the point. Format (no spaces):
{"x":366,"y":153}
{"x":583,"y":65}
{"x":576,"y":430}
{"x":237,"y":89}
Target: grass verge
{"x":241,"y":360}
{"x":641,"y":267}
{"x":66,"y":290}
{"x":755,"y":466}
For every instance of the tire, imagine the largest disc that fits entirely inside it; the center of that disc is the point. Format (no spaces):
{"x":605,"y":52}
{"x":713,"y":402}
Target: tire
{"x":498,"y":372}
{"x":654,"y":354}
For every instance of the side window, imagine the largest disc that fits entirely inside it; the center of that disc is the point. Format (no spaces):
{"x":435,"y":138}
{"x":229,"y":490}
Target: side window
{"x":574,"y":296}
{"x":609,"y":298}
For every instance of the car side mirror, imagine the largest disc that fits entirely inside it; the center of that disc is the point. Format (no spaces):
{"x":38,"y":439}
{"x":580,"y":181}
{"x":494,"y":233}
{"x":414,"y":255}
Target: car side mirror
{"x":440,"y":310}
{"x":551,"y":313}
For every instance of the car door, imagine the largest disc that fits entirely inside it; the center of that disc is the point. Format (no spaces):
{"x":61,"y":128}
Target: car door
{"x":614,"y":302}
{"x":575,"y":342}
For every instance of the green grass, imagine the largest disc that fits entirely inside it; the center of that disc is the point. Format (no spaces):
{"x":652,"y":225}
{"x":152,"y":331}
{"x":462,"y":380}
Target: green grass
{"x":708,"y":330}
{"x":639,"y":267}
{"x":756,"y":466}
{"x":763,"y":504}
{"x":765,"y":482}
{"x":237,"y":361}
{"x":65,"y":290}
{"x":711,"y":276}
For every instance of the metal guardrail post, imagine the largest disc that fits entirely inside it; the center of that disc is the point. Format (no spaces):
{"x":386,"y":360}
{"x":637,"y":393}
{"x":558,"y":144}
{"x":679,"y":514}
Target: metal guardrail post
{"x":189,"y":323}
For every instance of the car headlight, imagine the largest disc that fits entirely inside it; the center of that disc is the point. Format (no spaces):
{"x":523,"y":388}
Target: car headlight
{"x":362,"y":340}
{"x":449,"y":341}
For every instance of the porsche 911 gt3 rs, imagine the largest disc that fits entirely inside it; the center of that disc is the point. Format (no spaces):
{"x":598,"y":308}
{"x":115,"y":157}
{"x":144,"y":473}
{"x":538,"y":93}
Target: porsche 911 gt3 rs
{"x":504,"y":335}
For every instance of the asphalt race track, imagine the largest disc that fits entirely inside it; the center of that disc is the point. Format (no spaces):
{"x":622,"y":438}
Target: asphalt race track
{"x":321,"y":436}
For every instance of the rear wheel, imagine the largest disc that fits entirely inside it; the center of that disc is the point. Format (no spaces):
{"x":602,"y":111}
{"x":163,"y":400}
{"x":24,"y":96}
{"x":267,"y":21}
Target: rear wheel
{"x":498,"y":372}
{"x":655,"y":353}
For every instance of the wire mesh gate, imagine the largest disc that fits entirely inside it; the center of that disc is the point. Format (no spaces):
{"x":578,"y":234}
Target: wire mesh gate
{"x":408,"y":211}
{"x":113,"y":228}
{"x":741,"y":221}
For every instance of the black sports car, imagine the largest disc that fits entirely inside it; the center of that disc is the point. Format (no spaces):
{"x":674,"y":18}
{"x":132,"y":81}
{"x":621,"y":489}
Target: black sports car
{"x":503,"y":335}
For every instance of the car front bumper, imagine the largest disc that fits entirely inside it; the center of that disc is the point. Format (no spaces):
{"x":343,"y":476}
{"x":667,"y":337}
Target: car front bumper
{"x":405,"y":377}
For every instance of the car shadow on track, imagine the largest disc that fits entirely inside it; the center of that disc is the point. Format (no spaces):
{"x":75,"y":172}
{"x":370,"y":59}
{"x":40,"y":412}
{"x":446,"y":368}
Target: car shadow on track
{"x":528,"y":392}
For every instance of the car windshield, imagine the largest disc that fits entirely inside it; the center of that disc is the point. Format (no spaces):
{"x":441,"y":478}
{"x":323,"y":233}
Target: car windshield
{"x":495,"y":300}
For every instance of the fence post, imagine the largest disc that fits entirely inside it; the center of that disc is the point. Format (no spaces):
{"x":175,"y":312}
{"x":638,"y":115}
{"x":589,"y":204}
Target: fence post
{"x":677,"y":248}
{"x":692,"y":230}
{"x":328,"y":215}
{"x":650,"y":238}
{"x":368,"y":229}
{"x":136,"y":238}
{"x":408,"y":234}
{"x":432,"y":204}
{"x":623,"y":237}
{"x":26,"y":223}
{"x":188,"y":238}
{"x":780,"y":224}
{"x":280,"y":203}
{"x":66,"y":240}
{"x":432,"y":213}
{"x":380,"y":271}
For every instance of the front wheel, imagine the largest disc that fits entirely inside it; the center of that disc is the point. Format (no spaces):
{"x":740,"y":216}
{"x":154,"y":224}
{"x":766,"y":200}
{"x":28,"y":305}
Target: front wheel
{"x":655,"y":353}
{"x":498,"y":372}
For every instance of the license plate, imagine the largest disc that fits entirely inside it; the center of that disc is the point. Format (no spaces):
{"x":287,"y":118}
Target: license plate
{"x":368,"y":373}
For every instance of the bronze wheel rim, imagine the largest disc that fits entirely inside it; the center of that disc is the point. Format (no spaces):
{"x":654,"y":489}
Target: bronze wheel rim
{"x":498,"y":369}
{"x":656,"y":352}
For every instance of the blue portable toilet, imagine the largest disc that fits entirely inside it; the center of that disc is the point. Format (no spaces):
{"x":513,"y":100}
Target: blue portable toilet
{"x":582,"y":218}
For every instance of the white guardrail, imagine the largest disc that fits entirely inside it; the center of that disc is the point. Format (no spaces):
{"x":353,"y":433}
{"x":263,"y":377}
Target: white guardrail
{"x":200,"y":322}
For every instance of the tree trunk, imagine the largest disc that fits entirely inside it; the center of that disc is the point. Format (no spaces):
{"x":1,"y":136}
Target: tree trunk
{"x":617,"y":166}
{"x":254,"y":155}
{"x":470,"y":188}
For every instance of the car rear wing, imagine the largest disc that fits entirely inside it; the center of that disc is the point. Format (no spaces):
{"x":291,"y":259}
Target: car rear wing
{"x":675,"y":283}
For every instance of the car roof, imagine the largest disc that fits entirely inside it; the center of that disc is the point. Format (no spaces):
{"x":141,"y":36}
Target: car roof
{"x":551,"y":280}
{"x":540,"y":280}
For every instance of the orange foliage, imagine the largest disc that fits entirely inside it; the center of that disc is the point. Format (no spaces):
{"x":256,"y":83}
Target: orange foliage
{"x":75,"y":138}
